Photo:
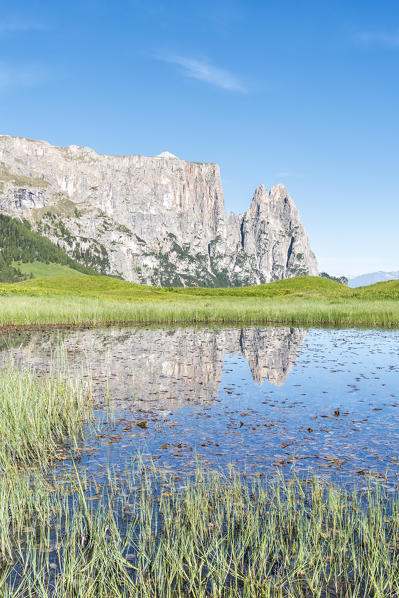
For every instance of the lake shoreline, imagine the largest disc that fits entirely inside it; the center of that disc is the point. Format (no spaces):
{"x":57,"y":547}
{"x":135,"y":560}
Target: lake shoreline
{"x":92,"y":301}
{"x":46,"y":313}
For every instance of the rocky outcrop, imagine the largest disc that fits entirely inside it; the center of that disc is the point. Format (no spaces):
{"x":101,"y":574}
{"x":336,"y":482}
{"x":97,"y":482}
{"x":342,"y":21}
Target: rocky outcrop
{"x":156,"y":220}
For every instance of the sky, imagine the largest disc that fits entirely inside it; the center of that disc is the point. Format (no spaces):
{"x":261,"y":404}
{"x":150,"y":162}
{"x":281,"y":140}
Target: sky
{"x":303,"y":93}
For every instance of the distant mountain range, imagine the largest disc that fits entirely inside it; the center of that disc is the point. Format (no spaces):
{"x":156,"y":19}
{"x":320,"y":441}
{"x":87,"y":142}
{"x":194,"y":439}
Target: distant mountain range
{"x":372,"y":277}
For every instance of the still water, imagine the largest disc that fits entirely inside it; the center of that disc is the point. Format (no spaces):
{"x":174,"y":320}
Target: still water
{"x":316,"y":401}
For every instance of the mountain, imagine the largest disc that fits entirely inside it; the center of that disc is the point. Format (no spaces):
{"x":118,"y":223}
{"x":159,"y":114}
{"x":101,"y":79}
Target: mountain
{"x":21,"y":250}
{"x":155,"y":220}
{"x":371,"y":278}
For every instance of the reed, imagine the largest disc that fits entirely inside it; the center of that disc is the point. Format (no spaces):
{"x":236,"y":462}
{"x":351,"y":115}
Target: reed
{"x":210,"y":536}
{"x":38,"y":416}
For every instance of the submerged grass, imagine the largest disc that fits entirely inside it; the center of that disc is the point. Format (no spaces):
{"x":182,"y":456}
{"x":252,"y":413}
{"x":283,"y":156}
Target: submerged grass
{"x":211,"y":536}
{"x":92,"y":300}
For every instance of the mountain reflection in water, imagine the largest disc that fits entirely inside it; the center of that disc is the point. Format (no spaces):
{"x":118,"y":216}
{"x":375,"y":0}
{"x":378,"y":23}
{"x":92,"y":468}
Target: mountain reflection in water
{"x":323,"y":401}
{"x":164,"y":365}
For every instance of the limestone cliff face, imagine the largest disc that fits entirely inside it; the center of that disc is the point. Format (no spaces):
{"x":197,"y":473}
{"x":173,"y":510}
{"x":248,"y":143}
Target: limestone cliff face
{"x":156,"y":220}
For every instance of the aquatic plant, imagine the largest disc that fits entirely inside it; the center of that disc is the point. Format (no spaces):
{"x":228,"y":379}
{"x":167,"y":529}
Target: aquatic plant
{"x":142,"y":533}
{"x":146,"y":535}
{"x":38,"y":415}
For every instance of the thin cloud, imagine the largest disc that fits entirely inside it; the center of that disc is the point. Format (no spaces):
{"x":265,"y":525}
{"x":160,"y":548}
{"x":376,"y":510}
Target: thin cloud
{"x":11,"y":26}
{"x":13,"y":76}
{"x":382,"y":39}
{"x":208,"y":73}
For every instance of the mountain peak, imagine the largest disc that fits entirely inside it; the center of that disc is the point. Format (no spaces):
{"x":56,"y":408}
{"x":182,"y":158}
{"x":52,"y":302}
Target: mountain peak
{"x":277,"y":191}
{"x":167,"y":155}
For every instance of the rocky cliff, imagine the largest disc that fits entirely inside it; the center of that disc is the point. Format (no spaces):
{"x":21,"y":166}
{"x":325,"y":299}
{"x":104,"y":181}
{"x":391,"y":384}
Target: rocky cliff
{"x":156,"y":220}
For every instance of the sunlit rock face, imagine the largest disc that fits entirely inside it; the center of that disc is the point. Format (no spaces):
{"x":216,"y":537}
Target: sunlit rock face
{"x":156,"y":220}
{"x":163,"y":368}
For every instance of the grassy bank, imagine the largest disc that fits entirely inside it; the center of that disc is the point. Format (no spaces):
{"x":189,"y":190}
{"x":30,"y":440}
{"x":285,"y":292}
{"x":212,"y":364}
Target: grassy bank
{"x":93,"y":300}
{"x":82,"y":311}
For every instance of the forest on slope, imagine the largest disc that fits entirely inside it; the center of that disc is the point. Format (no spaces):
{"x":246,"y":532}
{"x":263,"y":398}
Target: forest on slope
{"x":18,"y":243}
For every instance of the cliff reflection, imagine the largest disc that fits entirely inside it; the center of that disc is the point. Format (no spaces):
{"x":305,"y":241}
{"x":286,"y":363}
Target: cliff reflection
{"x":165,"y":366}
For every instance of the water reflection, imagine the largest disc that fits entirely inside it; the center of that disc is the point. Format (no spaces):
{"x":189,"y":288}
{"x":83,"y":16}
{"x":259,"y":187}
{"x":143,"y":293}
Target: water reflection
{"x":164,"y":366}
{"x":324,"y":401}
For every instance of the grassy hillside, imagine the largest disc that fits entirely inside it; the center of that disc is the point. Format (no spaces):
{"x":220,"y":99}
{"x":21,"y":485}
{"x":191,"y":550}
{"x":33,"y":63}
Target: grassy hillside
{"x":107,"y":287}
{"x":41,"y":270}
{"x":95,"y":300}
{"x":25,"y":253}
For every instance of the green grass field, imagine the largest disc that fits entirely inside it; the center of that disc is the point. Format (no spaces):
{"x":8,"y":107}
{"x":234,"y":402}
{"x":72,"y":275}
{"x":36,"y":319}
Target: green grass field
{"x":40,"y":270}
{"x":92,"y":300}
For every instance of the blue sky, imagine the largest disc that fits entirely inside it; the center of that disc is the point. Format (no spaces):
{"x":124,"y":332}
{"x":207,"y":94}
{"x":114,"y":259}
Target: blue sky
{"x":299,"y":92}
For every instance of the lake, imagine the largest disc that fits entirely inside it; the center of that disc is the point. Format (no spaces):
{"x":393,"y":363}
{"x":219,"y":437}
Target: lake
{"x":260,"y":399}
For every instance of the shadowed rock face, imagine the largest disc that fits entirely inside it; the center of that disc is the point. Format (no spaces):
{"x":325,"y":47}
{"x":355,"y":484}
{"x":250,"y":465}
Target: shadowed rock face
{"x":156,"y":220}
{"x":167,"y":367}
